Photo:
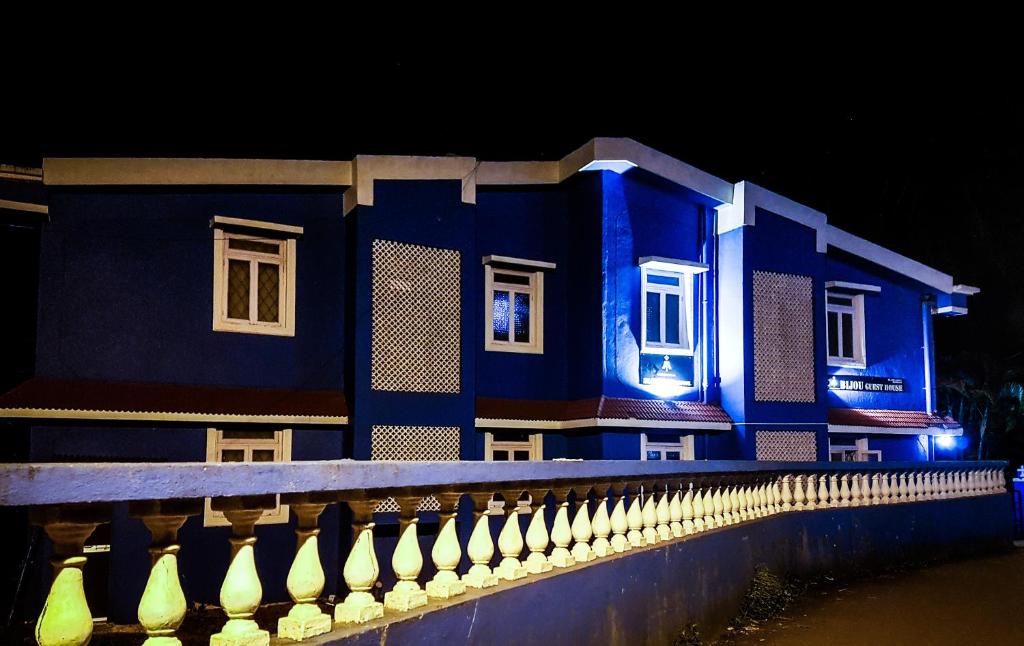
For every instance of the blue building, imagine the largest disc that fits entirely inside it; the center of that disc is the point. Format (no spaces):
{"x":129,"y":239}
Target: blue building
{"x":614,"y":304}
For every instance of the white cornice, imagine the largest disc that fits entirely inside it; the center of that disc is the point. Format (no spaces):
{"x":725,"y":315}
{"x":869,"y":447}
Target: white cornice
{"x":747,"y":197}
{"x":366,"y":169}
{"x":486,"y":422}
{"x":155,"y":416}
{"x":889,"y":259}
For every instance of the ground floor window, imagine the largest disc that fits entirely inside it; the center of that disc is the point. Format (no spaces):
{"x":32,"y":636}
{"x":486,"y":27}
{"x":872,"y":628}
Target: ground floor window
{"x":513,"y":446}
{"x":655,"y":446}
{"x":857,"y":452}
{"x":247,"y":445}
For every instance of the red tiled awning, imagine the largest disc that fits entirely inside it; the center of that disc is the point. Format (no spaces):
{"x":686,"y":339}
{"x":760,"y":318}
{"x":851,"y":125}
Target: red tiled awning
{"x":592,"y":412}
{"x":45,"y":398}
{"x":890,"y":419}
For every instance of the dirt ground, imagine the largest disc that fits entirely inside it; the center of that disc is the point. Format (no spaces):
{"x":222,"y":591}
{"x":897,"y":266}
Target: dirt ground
{"x":964,"y":603}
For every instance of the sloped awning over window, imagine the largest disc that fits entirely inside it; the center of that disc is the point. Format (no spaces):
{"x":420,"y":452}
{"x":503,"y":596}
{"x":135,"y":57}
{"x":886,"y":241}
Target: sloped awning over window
{"x":599,"y":411}
{"x":45,"y":398}
{"x":890,"y":421}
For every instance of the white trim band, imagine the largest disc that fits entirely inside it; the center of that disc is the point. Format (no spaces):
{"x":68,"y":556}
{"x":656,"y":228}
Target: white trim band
{"x":902,"y":430}
{"x":486,"y":422}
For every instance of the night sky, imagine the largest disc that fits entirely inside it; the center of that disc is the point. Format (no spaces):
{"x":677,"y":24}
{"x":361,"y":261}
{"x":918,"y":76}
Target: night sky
{"x":922,"y":153}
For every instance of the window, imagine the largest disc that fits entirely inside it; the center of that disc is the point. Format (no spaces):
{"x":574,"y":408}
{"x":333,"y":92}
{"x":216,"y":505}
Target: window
{"x":845,"y":325}
{"x":666,"y":303}
{"x":253,"y":278}
{"x":511,"y":446}
{"x":858,"y":452}
{"x":665,"y":447}
{"x":514,"y":310}
{"x":248,"y":445}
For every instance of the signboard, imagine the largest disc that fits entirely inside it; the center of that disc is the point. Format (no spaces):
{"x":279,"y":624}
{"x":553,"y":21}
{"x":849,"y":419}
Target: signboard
{"x":857,"y":383}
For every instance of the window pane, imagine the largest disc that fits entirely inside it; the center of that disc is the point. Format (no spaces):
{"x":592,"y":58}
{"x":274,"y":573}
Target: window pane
{"x":512,"y":279}
{"x":232,"y":455}
{"x":521,"y":456}
{"x":672,"y":455}
{"x":499,"y":456}
{"x":833,"y":334}
{"x":269,"y":292}
{"x":499,"y":313}
{"x":254,"y":245}
{"x":653,"y":317}
{"x":522,"y":318}
{"x":247,"y":435}
{"x":654,"y":455}
{"x":511,"y":436}
{"x":654,"y":279}
{"x":263,"y":455}
{"x":238,"y":289}
{"x":840,"y":300}
{"x":847,"y":335}
{"x":671,"y":319}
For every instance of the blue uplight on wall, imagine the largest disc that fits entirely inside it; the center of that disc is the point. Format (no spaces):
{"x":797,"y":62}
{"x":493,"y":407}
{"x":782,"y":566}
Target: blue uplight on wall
{"x":945,"y":441}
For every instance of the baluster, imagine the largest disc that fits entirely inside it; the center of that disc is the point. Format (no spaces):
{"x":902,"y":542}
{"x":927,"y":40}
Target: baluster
{"x":635,"y":517}
{"x":734,"y":503}
{"x":886,"y":492}
{"x":537,"y":538}
{"x":822,"y":490}
{"x":649,"y":516}
{"x":306,"y":579}
{"x":708,"y":503}
{"x":480,"y":548}
{"x":844,"y":490}
{"x":664,"y":516}
{"x":1000,"y":481}
{"x":904,"y":488}
{"x":773,"y":496}
{"x":726,"y":506}
{"x":876,"y":489}
{"x":912,"y":487}
{"x":787,"y":496}
{"x":241,"y":592}
{"x":407,"y":560}
{"x":162,"y":606}
{"x":961,"y":484}
{"x":582,"y":531}
{"x":753,"y":495}
{"x":811,"y":494}
{"x":361,"y":568}
{"x":855,"y":500}
{"x":561,"y":533}
{"x":944,"y":485}
{"x":601,"y":524}
{"x":919,"y":489}
{"x":698,"y":511}
{"x":762,"y":500}
{"x":689,"y":512}
{"x":719,"y":507}
{"x":746,"y":503}
{"x":833,"y":490}
{"x":798,"y":492}
{"x":446,"y":552}
{"x":510,"y":540}
{"x":675,"y":514}
{"x":618,"y":521}
{"x":930,"y":486}
{"x":65,"y":619}
{"x":984,"y":484}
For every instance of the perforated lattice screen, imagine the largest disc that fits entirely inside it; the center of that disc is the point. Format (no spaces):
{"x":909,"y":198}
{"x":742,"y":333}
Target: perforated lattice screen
{"x":783,"y":337}
{"x":414,"y":443}
{"x":416,"y":318}
{"x":793,"y":446}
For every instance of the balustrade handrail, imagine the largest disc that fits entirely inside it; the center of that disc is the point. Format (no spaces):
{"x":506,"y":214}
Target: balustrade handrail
{"x":68,"y":483}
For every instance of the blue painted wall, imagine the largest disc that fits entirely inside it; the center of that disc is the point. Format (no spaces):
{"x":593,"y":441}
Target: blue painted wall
{"x":430,"y":214}
{"x":894,"y":334}
{"x":126,"y":289}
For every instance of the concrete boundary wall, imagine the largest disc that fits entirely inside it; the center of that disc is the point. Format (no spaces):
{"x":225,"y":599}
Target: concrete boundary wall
{"x":648,"y":596}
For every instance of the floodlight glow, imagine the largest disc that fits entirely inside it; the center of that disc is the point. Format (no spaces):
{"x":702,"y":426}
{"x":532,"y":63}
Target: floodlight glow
{"x":945,"y":441}
{"x":615,"y":165}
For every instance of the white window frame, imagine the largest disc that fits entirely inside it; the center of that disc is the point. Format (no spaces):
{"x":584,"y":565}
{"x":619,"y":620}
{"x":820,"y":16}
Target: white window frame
{"x":856,"y":310}
{"x":284,"y":259}
{"x":684,"y":446}
{"x":535,"y":290}
{"x":535,"y":445}
{"x":281,"y":444}
{"x":684,"y":291}
{"x":859,"y":448}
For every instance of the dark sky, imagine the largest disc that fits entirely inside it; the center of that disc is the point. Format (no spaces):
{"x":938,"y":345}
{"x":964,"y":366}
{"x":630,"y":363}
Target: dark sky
{"x":921,"y":152}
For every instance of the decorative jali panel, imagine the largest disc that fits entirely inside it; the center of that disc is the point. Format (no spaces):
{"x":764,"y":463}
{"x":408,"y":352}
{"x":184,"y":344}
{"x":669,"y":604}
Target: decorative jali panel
{"x":414,"y":443}
{"x":783,"y":337}
{"x":416,"y":318}
{"x":788,"y":446}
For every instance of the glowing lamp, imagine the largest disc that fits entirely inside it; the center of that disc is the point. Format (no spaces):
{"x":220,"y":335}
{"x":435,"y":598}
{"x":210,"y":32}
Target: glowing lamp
{"x":945,"y":441}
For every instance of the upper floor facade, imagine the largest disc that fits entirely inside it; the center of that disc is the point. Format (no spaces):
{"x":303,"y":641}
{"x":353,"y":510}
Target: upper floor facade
{"x":616,"y":303}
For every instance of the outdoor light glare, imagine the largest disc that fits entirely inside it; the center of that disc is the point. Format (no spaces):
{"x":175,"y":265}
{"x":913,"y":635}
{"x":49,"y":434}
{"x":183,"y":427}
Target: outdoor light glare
{"x":945,"y":441}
